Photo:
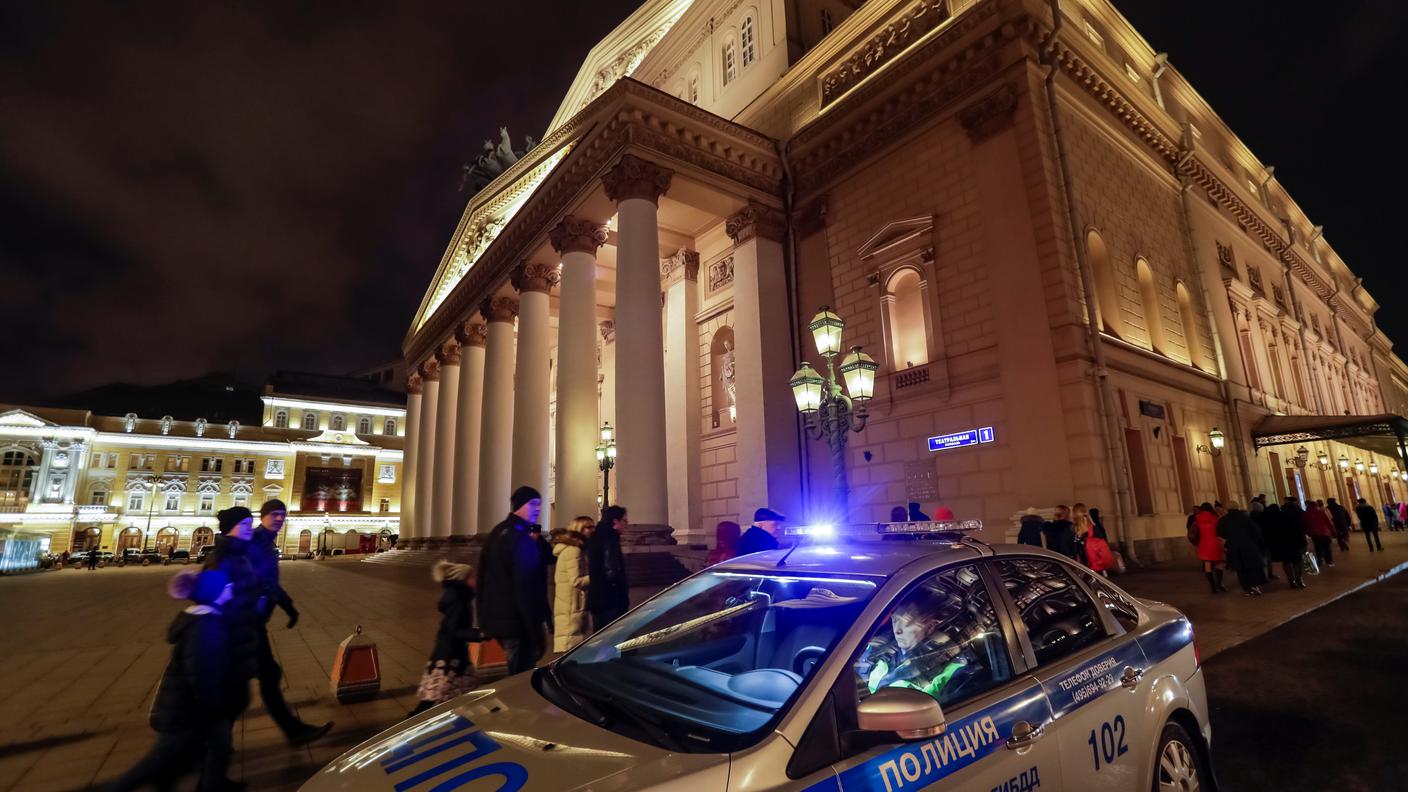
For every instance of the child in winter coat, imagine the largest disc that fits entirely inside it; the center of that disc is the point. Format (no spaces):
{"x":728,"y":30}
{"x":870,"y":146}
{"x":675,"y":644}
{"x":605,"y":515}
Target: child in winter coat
{"x":200,"y":695}
{"x":448,"y":672}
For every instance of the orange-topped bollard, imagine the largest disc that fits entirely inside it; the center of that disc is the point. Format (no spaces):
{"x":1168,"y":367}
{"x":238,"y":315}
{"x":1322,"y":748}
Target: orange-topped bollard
{"x":356,"y":671}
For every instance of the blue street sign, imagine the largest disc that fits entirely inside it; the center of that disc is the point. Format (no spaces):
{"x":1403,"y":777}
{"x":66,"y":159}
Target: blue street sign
{"x":961,"y":439}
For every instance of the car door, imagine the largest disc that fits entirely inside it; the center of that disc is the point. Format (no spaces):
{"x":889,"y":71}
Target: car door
{"x":944,"y":636}
{"x":1092,"y":672}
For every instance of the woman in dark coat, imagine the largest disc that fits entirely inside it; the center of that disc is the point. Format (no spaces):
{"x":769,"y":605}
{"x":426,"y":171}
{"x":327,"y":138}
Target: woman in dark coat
{"x":1285,"y":542}
{"x":448,"y":672}
{"x":231,"y":556}
{"x":608,"y":593}
{"x":1242,"y":544}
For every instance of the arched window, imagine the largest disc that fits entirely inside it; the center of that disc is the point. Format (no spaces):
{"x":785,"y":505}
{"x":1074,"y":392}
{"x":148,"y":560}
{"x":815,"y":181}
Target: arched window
{"x":746,"y":42}
{"x":364,"y":425}
{"x":1190,"y":325}
{"x":723,"y":396}
{"x":339,"y":422}
{"x":388,"y":427}
{"x":202,"y":537}
{"x":730,"y":62}
{"x":310,"y":421}
{"x":1107,"y":301}
{"x":691,"y":91}
{"x":909,"y":333}
{"x":1149,"y":297}
{"x":281,"y":419}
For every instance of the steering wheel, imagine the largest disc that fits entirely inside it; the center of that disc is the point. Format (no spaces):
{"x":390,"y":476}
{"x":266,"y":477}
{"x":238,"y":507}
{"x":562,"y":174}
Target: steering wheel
{"x":804,"y":655}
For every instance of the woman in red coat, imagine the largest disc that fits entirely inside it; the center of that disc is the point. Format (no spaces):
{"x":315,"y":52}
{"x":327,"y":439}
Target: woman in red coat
{"x":1098,"y":555}
{"x":1320,"y":527}
{"x":1210,"y":552}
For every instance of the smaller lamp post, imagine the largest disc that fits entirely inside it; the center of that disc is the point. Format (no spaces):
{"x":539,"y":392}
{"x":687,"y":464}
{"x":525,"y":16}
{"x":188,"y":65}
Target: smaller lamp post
{"x":1359,"y":466}
{"x":1344,"y":463}
{"x":1217,"y":440}
{"x":1324,"y":460}
{"x":605,"y":460}
{"x":1302,"y":456}
{"x":1374,"y":469}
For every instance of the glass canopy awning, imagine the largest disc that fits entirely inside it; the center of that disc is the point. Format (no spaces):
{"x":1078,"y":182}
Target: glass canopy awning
{"x":1381,"y":434}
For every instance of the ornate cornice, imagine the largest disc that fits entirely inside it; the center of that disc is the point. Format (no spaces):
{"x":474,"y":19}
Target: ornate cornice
{"x":449,"y":353}
{"x":756,"y":220}
{"x":633,"y":177}
{"x":534,"y":276}
{"x":499,"y":309}
{"x":914,"y":22}
{"x":471,"y":333}
{"x":684,"y":265}
{"x":577,"y":235}
{"x":989,"y":115}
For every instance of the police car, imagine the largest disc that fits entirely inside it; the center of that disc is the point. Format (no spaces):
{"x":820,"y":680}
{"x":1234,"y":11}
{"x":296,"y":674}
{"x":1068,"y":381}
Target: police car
{"x":920,"y":659}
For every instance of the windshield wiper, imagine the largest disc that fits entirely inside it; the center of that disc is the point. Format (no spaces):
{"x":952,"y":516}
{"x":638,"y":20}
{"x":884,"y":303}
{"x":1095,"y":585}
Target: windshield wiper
{"x":652,"y":726}
{"x":593,"y":714}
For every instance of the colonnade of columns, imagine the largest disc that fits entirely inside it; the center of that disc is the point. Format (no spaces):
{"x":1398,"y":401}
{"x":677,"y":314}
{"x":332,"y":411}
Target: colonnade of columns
{"x":478,"y":409}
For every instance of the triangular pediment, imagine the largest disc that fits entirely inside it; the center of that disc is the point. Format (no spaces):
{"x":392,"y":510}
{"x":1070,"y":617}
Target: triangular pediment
{"x":23,"y":419}
{"x":899,"y":236}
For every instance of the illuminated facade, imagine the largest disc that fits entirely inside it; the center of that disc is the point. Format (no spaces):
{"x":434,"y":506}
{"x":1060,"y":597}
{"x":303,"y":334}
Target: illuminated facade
{"x":1033,"y":223}
{"x":72,"y":480}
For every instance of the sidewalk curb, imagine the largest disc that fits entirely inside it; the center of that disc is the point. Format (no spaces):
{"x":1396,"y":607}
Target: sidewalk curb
{"x":1379,"y":578}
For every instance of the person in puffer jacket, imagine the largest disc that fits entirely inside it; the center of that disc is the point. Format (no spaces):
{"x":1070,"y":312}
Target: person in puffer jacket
{"x":200,"y":695}
{"x":448,"y":672}
{"x":569,"y":599}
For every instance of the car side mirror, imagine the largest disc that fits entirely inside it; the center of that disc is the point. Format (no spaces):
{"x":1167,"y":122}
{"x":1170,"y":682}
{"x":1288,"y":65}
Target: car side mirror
{"x":910,"y":713}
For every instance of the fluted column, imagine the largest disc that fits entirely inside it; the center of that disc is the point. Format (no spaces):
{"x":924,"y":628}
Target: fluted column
{"x":465,"y":511}
{"x":496,"y":431}
{"x":409,"y":462}
{"x":531,"y":388}
{"x":768,"y":467}
{"x":636,"y":185}
{"x":680,"y":280}
{"x":576,"y":240}
{"x":446,"y":414}
{"x":425,"y":453}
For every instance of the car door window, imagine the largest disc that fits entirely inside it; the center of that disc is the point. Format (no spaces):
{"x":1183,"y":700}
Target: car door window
{"x":1113,"y":601}
{"x":942,"y":637}
{"x":1059,"y":617}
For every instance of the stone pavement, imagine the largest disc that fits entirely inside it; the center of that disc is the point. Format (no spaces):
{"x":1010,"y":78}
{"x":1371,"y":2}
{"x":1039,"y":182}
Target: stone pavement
{"x":84,"y":650}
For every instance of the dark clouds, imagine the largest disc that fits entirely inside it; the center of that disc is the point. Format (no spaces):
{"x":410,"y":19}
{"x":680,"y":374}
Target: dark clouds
{"x":189,"y":187}
{"x":195,"y":186}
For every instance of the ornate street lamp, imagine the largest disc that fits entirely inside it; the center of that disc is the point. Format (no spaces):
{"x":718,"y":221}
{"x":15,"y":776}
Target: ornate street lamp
{"x":1302,"y":456}
{"x":606,"y":460}
{"x":830,"y":413}
{"x":1344,"y":463}
{"x":1359,"y":466}
{"x":1323,"y":459}
{"x":1217,"y":440}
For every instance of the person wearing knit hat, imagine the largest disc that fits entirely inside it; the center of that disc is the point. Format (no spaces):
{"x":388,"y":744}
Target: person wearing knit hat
{"x":199,"y":697}
{"x":512,"y":586}
{"x":448,"y":672}
{"x":264,"y":561}
{"x":241,"y":613}
{"x":235,"y":517}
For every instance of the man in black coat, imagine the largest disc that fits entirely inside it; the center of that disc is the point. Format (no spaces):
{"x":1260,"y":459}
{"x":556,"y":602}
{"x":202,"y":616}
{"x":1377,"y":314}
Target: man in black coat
{"x":513,"y":599}
{"x":231,"y":556}
{"x":762,"y":534}
{"x":608,"y":592}
{"x":264,"y":559}
{"x":1060,"y":532}
{"x":1368,"y":523}
{"x":1339,"y":515}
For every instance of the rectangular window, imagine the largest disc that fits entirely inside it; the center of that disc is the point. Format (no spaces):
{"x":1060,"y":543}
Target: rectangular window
{"x":745,"y":38}
{"x":207,"y":504}
{"x":136,"y":501}
{"x":692,"y":94}
{"x":242,"y":500}
{"x":384,"y":506}
{"x":730,"y":63}
{"x":99,"y":498}
{"x":212,"y":464}
{"x":173,"y":502}
{"x":1059,"y":617}
{"x":1139,"y":471}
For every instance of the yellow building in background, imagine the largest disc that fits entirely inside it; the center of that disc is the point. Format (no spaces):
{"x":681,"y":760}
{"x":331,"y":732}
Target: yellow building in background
{"x":329,"y":447}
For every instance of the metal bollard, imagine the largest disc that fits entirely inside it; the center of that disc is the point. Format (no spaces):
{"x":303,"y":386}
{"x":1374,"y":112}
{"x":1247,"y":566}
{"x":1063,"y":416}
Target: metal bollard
{"x":356,"y":671}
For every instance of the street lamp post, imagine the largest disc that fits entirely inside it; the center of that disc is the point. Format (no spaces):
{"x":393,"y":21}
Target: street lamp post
{"x":146,"y":537}
{"x":605,"y":461}
{"x":830,"y":413}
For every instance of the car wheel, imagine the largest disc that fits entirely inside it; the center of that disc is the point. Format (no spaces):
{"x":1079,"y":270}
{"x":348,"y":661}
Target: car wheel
{"x":1179,"y":768}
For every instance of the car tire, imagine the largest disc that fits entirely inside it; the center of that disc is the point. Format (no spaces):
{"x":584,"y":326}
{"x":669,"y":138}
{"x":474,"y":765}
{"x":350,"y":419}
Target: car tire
{"x":1178,"y":765}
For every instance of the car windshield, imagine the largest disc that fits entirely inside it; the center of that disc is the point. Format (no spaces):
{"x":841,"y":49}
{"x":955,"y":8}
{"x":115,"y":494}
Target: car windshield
{"x":710,"y":664}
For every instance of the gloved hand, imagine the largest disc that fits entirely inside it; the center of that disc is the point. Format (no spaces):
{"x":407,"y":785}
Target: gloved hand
{"x":292,"y":616}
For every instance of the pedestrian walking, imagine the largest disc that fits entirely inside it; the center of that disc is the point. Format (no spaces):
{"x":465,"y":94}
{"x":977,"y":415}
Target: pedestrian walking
{"x":93,"y":555}
{"x":448,"y":672}
{"x":264,"y":560}
{"x":1082,"y":525}
{"x":1059,"y":533}
{"x":1339,"y":516}
{"x":231,"y":556}
{"x":1203,"y":534}
{"x":200,"y":694}
{"x":762,"y":534}
{"x":1029,"y":528}
{"x":1321,"y":529}
{"x":1099,"y":523}
{"x":513,"y":602}
{"x":1369,"y":524}
{"x":608,"y":591}
{"x":1285,"y":543}
{"x":899,"y":514}
{"x":1242,"y":544}
{"x":915,"y":515}
{"x":1098,"y":555}
{"x":569,"y":601}
{"x":726,"y":536}
{"x":1390,"y":516}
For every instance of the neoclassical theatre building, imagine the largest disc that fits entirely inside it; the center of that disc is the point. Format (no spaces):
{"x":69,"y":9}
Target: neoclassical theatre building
{"x":1047,"y":240}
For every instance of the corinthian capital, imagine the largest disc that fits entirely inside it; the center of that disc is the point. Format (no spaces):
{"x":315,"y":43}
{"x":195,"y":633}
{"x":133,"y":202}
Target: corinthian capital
{"x":471,"y":333}
{"x":577,"y":235}
{"x":499,"y":309}
{"x":533,"y":276}
{"x":684,"y":265}
{"x":755,"y":220}
{"x":633,"y":177}
{"x":430,"y":370}
{"x":449,"y":353}
{"x":414,"y":384}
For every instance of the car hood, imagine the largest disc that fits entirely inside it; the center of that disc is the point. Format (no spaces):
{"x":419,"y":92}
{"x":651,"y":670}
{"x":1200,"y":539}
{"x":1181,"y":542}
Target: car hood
{"x":511,"y":736}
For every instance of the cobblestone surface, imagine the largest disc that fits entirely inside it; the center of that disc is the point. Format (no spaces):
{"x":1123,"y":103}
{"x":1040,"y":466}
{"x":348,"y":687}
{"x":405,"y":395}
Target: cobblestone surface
{"x":84,"y":651}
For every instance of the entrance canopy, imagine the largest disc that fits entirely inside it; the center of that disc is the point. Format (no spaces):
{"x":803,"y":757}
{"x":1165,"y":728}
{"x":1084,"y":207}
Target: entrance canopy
{"x":1380,"y":434}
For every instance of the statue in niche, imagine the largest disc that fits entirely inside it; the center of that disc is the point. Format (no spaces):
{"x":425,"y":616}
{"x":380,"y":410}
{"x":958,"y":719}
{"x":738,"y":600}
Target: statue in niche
{"x":726,"y":375}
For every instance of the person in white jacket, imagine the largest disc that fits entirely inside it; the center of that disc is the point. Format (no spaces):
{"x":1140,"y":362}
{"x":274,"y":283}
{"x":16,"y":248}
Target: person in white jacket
{"x":569,"y":603}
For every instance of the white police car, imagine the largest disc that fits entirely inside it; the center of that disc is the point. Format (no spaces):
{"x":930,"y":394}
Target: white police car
{"x":934,"y":663}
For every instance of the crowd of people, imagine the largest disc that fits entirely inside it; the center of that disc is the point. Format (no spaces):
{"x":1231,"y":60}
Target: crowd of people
{"x":1077,"y":532}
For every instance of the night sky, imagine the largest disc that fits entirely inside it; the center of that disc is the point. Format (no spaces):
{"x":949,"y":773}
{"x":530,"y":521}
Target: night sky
{"x":193,"y":187}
